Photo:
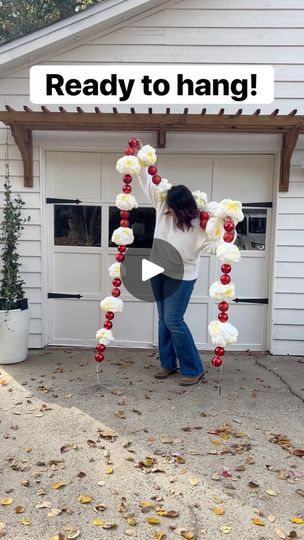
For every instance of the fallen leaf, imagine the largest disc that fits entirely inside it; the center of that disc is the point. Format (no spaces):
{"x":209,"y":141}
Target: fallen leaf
{"x":160,"y":535}
{"x":297,"y":520}
{"x":189,"y":535}
{"x":120,"y":413}
{"x":271,"y":518}
{"x":218,"y":510}
{"x":84,"y":499}
{"x":45,"y":504}
{"x":101,"y":483}
{"x":6,"y":501}
{"x":258,"y":521}
{"x":55,"y":512}
{"x":108,"y":470}
{"x":58,"y":485}
{"x":280,"y":534}
{"x":122,"y":507}
{"x":240,"y":468}
{"x":109,"y":526}
{"x":153,"y":520}
{"x":292,"y":534}
{"x":72,"y":532}
{"x":271,"y":492}
{"x":300,"y":492}
{"x":226,"y":530}
{"x":99,"y":522}
{"x":298,"y":452}
{"x":100,"y":507}
{"x":250,"y":460}
{"x":26,"y":522}
{"x":194,"y":481}
{"x":132,"y":521}
{"x":107,"y":434}
{"x":59,"y":536}
{"x":19,"y":509}
{"x":253,"y":485}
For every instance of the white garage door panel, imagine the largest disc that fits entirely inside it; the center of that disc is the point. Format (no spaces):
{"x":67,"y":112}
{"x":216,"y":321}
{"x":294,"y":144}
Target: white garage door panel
{"x":201,"y":287}
{"x":74,"y":175}
{"x":75,"y":321}
{"x":192,"y":170}
{"x":75,"y":274}
{"x":197,"y":319}
{"x":251,"y":322}
{"x":256,"y":284}
{"x":246,"y":178}
{"x":135,"y":324}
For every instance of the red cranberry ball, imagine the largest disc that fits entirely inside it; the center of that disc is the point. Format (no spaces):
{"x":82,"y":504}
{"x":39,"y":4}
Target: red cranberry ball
{"x":122,"y":249}
{"x":152,"y":170}
{"x":216,"y":361}
{"x":225,"y":279}
{"x":127,"y":179}
{"x":133,"y":142}
{"x":99,"y":357}
{"x":204,"y":215}
{"x":226,"y":268}
{"x":120,"y":257}
{"x":228,"y":237}
{"x":223,"y":306}
{"x":126,"y":188}
{"x":219,"y":351}
{"x":229,"y":226}
{"x":124,"y":214}
{"x":115,"y":292}
{"x":203,"y":223}
{"x":110,"y":315}
{"x":108,"y":325}
{"x":124,"y":223}
{"x":116,"y":282}
{"x":156,"y":179}
{"x":100,"y":347}
{"x":129,"y":151}
{"x":223,"y":317}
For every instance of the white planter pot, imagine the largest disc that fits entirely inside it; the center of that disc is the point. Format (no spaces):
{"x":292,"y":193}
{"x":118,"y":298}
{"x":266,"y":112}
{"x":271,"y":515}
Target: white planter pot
{"x":14,"y":335}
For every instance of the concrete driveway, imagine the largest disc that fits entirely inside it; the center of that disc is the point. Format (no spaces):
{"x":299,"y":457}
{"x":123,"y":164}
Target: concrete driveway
{"x":136,"y":457}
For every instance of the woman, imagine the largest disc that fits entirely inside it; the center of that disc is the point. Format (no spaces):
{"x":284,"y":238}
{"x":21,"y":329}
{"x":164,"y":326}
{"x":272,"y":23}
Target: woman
{"x":178,"y":223}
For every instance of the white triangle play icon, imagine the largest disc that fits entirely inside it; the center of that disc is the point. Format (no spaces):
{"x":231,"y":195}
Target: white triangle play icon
{"x":149,"y":269}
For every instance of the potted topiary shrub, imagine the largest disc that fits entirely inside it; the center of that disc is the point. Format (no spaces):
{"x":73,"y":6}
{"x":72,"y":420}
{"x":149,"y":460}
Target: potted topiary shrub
{"x":14,"y":312}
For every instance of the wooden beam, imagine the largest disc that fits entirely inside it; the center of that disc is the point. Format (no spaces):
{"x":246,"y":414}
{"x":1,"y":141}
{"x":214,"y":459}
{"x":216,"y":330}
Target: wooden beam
{"x":254,"y":123}
{"x":23,"y":139}
{"x":289,"y":141}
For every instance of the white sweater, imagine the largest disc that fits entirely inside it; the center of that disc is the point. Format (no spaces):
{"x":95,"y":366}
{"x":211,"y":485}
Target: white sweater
{"x":189,"y":243}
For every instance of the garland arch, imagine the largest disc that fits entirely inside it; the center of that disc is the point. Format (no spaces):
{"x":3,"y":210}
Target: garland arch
{"x":218,"y":220}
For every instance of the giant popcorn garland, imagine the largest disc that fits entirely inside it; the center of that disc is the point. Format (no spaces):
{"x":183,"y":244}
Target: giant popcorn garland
{"x":217,"y":219}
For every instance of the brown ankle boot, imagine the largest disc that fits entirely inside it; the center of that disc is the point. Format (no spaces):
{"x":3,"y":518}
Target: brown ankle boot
{"x":163,"y":373}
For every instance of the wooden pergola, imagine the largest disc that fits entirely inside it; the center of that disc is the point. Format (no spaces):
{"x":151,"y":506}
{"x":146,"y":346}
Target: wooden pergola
{"x":22,"y":123}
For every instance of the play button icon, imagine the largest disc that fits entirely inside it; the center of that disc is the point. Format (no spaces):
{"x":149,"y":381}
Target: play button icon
{"x":141,"y":266}
{"x":150,"y":269}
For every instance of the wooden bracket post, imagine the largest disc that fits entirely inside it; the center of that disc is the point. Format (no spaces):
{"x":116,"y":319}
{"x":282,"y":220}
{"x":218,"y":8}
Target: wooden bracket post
{"x":23,"y":139}
{"x":289,"y":142}
{"x":161,"y":137}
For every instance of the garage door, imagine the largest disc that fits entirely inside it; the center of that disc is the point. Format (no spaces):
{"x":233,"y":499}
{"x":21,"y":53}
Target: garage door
{"x":81,"y":213}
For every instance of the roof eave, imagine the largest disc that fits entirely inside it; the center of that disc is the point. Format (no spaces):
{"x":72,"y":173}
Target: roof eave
{"x":57,"y":35}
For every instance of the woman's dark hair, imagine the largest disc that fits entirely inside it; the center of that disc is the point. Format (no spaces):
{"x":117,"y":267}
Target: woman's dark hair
{"x":182,"y":202}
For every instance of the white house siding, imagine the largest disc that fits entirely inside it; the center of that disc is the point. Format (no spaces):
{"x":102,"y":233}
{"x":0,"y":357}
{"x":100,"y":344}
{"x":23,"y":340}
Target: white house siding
{"x":288,"y":315}
{"x":204,"y":31}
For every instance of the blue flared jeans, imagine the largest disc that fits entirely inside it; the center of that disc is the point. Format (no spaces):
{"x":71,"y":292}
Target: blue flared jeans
{"x":176,"y":344}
